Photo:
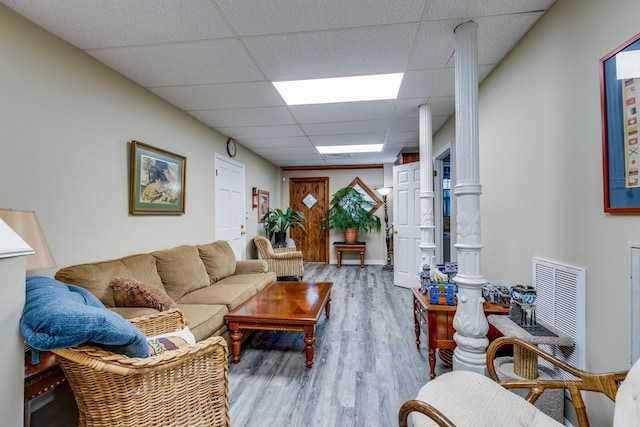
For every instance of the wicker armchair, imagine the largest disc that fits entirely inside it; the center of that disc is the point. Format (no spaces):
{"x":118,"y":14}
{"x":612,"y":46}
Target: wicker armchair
{"x":469,"y":399}
{"x":184,"y":387}
{"x":285,"y":262}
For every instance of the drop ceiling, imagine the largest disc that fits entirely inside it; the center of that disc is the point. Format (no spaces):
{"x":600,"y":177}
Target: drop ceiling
{"x":216,"y":59}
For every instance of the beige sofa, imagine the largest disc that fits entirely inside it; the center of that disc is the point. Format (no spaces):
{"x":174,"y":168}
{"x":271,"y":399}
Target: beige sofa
{"x":205,"y":281}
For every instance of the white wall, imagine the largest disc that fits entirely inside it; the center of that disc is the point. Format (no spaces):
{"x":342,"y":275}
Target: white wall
{"x":541,"y":169}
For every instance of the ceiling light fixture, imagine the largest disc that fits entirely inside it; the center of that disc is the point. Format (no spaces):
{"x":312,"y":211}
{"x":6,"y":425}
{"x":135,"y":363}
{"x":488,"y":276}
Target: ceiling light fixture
{"x":340,"y":89}
{"x":335,"y":149}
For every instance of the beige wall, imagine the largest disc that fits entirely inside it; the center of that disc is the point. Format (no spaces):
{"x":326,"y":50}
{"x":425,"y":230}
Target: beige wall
{"x":541,"y":169}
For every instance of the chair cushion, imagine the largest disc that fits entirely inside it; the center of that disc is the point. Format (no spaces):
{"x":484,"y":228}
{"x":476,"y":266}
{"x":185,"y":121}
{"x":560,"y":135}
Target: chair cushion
{"x":627,"y":409}
{"x":158,"y":344}
{"x":470,"y":399}
{"x":131,"y":293}
{"x":57,"y":315}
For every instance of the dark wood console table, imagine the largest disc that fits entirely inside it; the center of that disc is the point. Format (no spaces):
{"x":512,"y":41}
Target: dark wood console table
{"x":357,"y":247}
{"x":437,"y":323}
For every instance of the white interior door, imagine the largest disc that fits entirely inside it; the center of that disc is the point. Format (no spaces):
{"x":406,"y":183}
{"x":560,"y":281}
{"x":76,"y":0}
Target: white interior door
{"x":229,"y":203}
{"x":634,"y":302}
{"x":406,"y":223}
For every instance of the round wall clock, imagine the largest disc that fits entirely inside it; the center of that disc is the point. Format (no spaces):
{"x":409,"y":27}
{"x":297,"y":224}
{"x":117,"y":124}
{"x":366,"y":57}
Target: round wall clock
{"x":231,"y":147}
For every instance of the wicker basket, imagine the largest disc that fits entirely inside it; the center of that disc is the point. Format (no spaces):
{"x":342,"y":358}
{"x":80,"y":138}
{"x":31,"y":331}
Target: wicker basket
{"x":184,"y":387}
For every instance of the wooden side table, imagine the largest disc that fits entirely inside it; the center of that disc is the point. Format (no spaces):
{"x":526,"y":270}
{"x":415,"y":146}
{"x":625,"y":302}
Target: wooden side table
{"x":437,"y":323}
{"x":357,"y":247}
{"x":39,"y":379}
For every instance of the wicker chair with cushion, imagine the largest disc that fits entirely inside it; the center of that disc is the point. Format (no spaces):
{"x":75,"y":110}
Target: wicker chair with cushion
{"x":462,"y":398}
{"x":187,"y":386}
{"x":285,"y":262}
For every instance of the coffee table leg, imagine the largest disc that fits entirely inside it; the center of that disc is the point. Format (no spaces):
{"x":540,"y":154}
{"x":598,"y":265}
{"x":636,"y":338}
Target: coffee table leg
{"x":327,"y":308}
{"x":309,"y":339}
{"x":236,"y":336}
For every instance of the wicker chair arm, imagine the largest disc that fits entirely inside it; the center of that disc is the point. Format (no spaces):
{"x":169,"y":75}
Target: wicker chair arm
{"x":161,"y":322}
{"x":423,"y":408}
{"x":605,"y":383}
{"x":106,"y":361}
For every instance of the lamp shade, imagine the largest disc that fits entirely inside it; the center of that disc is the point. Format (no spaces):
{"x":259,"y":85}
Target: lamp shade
{"x":26,"y":225}
{"x":384,"y":191}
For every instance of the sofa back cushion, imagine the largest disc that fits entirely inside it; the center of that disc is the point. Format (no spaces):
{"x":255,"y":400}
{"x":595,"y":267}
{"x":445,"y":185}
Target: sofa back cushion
{"x":181,"y":270}
{"x":219,"y":260}
{"x":96,"y":277}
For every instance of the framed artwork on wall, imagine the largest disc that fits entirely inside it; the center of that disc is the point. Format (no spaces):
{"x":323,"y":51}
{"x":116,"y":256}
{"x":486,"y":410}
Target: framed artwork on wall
{"x":620,"y":101}
{"x":368,"y":194}
{"x":157,"y":181}
{"x":263,"y":204}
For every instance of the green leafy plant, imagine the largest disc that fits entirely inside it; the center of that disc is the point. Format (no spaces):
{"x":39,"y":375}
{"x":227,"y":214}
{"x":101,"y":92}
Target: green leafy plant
{"x":279,"y":221}
{"x":350,"y":209}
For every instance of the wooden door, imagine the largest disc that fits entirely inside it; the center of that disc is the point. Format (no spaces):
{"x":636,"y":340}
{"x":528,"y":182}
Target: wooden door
{"x":311,"y":196}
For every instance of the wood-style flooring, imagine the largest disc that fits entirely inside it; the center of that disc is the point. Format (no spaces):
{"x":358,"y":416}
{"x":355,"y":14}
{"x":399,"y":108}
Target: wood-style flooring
{"x":366,"y":363}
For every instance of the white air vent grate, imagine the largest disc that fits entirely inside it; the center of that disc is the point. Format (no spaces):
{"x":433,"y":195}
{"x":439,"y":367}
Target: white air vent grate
{"x":561,"y":302}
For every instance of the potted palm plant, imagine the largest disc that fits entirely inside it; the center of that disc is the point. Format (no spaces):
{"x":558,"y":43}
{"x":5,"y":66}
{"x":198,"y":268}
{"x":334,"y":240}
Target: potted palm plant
{"x":277,"y":222}
{"x":350,"y":213}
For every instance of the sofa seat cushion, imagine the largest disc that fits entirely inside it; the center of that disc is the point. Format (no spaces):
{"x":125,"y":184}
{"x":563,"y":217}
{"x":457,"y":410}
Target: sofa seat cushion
{"x":204,"y":319}
{"x":231,"y":295}
{"x":96,"y":277}
{"x":258,"y":280}
{"x":219,"y":260}
{"x":181,"y":270}
{"x":57,"y":315}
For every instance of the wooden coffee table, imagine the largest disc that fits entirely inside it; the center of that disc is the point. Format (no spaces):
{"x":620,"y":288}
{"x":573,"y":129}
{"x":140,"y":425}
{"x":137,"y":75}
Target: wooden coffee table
{"x":282,"y":306}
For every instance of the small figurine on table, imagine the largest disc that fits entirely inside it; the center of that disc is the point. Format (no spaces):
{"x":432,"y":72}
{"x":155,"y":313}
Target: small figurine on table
{"x":425,"y":279}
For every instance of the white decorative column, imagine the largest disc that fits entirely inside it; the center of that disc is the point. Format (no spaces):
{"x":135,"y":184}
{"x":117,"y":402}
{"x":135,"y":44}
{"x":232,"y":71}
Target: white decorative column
{"x":427,"y":225}
{"x":470,"y":323}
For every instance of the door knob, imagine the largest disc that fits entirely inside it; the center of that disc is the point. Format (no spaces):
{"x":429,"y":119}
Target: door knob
{"x":242,"y":233}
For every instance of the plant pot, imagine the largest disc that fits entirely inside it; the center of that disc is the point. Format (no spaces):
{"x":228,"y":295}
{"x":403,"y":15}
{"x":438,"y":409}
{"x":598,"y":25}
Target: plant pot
{"x":280,"y":237}
{"x":350,"y":235}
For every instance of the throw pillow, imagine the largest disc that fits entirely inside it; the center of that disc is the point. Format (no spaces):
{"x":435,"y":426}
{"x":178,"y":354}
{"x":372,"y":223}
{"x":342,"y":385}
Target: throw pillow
{"x":132,"y":293}
{"x":158,"y":344}
{"x":218,"y":259}
{"x":57,"y":315}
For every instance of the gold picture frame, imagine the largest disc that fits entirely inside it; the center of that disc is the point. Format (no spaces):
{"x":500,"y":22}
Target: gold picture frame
{"x":157,"y":181}
{"x":263,"y":204}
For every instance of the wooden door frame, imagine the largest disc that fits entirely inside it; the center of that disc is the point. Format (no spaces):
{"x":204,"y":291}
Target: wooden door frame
{"x":324,"y":179}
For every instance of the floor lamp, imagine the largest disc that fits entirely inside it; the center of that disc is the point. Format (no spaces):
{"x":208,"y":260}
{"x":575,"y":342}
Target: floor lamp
{"x":388,"y":230}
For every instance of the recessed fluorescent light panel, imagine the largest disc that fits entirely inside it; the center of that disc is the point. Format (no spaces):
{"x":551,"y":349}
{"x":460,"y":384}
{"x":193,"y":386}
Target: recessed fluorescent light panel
{"x":335,"y":149}
{"x":340,"y":89}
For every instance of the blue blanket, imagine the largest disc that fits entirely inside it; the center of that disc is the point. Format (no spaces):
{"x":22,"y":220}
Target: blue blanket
{"x":57,"y":315}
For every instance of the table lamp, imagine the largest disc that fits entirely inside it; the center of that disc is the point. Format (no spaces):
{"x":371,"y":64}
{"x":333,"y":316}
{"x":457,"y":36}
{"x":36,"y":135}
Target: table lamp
{"x":26,"y":225}
{"x":384,"y":192}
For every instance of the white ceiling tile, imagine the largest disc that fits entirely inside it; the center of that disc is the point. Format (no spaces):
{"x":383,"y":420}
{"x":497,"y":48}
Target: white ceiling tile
{"x":287,"y":16}
{"x":498,"y":34}
{"x":349,"y":111}
{"x":279,"y":143}
{"x":214,"y":61}
{"x":241,"y":133}
{"x":404,"y":124}
{"x":222,"y":95}
{"x":268,"y":116}
{"x":346,"y":127}
{"x":361,"y":51}
{"x":451,"y":9}
{"x":425,"y":83}
{"x":434,"y":46}
{"x":92,"y":24}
